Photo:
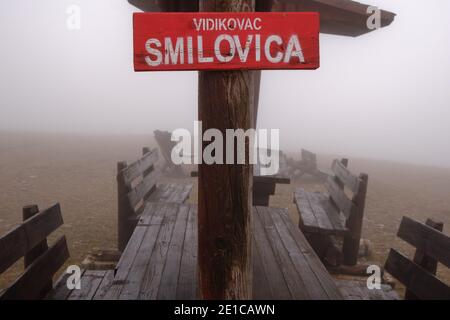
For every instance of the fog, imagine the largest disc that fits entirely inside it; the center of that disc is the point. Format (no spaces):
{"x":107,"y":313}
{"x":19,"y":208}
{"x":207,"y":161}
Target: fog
{"x":384,"y":95}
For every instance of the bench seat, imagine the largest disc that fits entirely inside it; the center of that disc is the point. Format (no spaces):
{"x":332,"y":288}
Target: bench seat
{"x":171,"y":193}
{"x":318,"y":214}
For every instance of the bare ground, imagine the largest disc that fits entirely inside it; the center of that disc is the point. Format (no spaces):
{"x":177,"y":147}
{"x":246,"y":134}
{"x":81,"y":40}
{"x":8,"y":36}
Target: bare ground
{"x":79,"y":172}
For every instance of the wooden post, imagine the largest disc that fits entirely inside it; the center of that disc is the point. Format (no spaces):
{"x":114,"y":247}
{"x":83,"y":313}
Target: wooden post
{"x":224,"y":211}
{"x":260,"y":6}
{"x":354,"y":224}
{"x":123,"y":209}
{"x":38,"y":250}
{"x":425,"y":261}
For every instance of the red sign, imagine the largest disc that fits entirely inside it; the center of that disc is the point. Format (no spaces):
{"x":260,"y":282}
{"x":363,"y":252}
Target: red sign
{"x":225,"y":41}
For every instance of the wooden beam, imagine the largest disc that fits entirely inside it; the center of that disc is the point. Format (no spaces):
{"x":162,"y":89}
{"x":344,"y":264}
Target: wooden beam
{"x":224,"y":191}
{"x":339,"y":17}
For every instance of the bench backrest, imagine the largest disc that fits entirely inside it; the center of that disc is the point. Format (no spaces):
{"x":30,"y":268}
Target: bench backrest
{"x":309,"y":159}
{"x":135,"y":183}
{"x":419,"y":276}
{"x":29,"y":240}
{"x":348,"y":193}
{"x":343,"y":180}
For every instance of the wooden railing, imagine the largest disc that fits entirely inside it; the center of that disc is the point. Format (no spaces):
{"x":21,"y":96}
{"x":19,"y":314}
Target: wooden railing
{"x":135,"y":182}
{"x":29,"y":240}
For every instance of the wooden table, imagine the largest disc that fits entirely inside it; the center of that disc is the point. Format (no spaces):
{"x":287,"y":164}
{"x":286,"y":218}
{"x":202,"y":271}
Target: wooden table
{"x":264,"y":186}
{"x":160,"y":261}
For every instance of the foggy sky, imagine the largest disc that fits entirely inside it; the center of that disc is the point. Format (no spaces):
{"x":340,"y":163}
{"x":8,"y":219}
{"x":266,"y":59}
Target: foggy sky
{"x":384,"y":95}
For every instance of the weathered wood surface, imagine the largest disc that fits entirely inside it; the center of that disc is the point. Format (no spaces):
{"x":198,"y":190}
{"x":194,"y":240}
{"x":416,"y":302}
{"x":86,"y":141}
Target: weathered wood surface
{"x":137,"y":185}
{"x":420,"y":282}
{"x":18,"y":242}
{"x":424,"y":260}
{"x":171,"y":192}
{"x":30,"y":284}
{"x":340,"y":17}
{"x":426,"y":239}
{"x":137,"y":168}
{"x":318,"y":214}
{"x":224,"y":191}
{"x":160,"y":261}
{"x":357,"y":290}
{"x":335,"y":213}
{"x":419,"y":275}
{"x":345,"y":176}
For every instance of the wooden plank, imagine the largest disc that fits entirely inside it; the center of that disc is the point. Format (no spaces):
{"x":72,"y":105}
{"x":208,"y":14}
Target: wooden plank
{"x":418,"y":281}
{"x":132,"y":265}
{"x":153,"y":273}
{"x":277,"y":287}
{"x":104,"y":285}
{"x":137,"y":168}
{"x":169,"y":279}
{"x":311,"y":261}
{"x":426,"y":239}
{"x":187,"y":281}
{"x":131,"y":288}
{"x":125,"y":263}
{"x":30,"y":283}
{"x":316,"y":281}
{"x":142,"y":190}
{"x":27,"y":235}
{"x":90,"y":282}
{"x":294,"y":282}
{"x":209,"y":52}
{"x":345,"y":176}
{"x":27,"y":213}
{"x":339,"y":197}
{"x":172,"y":192}
{"x":304,"y":208}
{"x":424,"y":260}
{"x":60,"y":290}
{"x":260,"y":289}
{"x":340,"y":17}
{"x":318,"y":214}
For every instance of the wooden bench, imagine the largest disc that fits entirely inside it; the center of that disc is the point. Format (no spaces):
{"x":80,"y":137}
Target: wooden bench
{"x":160,"y":260}
{"x":29,"y":240}
{"x":137,"y":185}
{"x":328,"y":215}
{"x":419,"y":275}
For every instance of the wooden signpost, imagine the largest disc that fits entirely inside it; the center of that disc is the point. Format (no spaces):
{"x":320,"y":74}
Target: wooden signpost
{"x":228,"y":98}
{"x":222,"y":42}
{"x":225,"y":41}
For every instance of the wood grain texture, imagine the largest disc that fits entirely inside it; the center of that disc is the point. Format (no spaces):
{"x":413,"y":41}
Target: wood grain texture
{"x":160,"y":261}
{"x":224,"y":211}
{"x":424,"y":260}
{"x":426,"y":239}
{"x":18,"y":242}
{"x":30,"y":284}
{"x":421,"y":283}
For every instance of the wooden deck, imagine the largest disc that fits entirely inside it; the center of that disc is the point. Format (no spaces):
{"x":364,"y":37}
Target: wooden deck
{"x":160,"y":261}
